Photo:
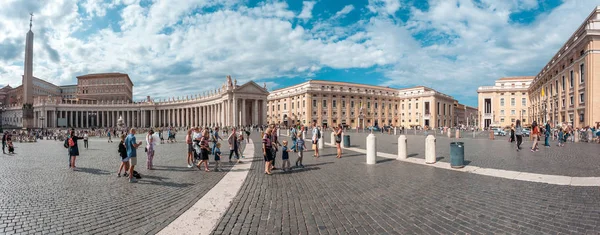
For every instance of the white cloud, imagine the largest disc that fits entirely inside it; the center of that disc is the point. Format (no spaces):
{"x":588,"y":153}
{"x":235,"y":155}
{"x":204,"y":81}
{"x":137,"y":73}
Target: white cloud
{"x":179,"y":45}
{"x":307,"y":7}
{"x":347,"y":9}
{"x":384,"y":6}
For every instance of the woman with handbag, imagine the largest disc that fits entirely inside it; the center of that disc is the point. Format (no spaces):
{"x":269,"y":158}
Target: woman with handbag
{"x":338,"y":140}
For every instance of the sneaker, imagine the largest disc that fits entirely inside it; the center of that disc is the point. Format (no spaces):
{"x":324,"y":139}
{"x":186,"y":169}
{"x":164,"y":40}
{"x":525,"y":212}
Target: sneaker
{"x":118,"y":174}
{"x":189,"y":166}
{"x":532,"y":150}
{"x":132,"y":180}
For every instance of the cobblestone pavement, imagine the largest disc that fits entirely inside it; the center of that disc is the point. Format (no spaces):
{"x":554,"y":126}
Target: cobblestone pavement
{"x":575,"y":159}
{"x":346,"y":196}
{"x":39,"y":194}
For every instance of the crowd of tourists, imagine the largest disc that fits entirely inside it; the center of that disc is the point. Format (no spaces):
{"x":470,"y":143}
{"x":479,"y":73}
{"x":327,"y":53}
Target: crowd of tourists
{"x":561,"y":133}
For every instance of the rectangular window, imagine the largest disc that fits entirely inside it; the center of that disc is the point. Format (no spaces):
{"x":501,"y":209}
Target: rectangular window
{"x":501,"y":119}
{"x":581,"y":98}
{"x":375,"y":105}
{"x":284,"y":106}
{"x":334,"y":104}
{"x":438,"y":108}
{"x":273,"y":108}
{"x":563,"y":82}
{"x":409,"y":105}
{"x":417,"y":106}
{"x":571,"y":100}
{"x":556,"y":86}
{"x":512,"y":120}
{"x":502,"y":112}
{"x":581,"y":73}
{"x":444,"y":109}
{"x":352,"y":104}
{"x":563,"y":102}
{"x":278,"y":106}
{"x":524,"y":112}
{"x":571,"y":79}
{"x":524,"y":120}
{"x":324,"y":103}
{"x":368,"y":105}
{"x":502,"y":102}
{"x":402,"y":106}
{"x":513,"y":112}
{"x":303,"y":103}
{"x":314,"y":103}
{"x":524,"y":101}
{"x":343,"y":103}
{"x":292,"y":105}
{"x":512,"y":102}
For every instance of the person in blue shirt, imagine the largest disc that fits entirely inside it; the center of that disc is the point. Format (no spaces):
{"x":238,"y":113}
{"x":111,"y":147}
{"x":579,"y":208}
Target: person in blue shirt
{"x":217,"y":152}
{"x":285,"y":157}
{"x":132,"y":145}
{"x":215,"y":139}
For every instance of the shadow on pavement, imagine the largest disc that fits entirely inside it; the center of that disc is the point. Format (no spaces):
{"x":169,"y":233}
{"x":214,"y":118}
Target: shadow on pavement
{"x":93,"y":171}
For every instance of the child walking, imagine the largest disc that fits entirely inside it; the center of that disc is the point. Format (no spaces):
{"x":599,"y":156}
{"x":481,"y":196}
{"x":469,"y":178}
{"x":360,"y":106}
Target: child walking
{"x":561,"y":137}
{"x":300,"y":146}
{"x":285,"y":157}
{"x":218,"y":158}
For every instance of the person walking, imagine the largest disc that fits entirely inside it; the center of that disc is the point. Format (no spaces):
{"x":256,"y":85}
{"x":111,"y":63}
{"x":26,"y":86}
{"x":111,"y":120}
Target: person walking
{"x":535,"y":132}
{"x":512,"y":133}
{"x":124,"y":159}
{"x":85,"y":139}
{"x":217,"y":153}
{"x":109,"y":138}
{"x":547,"y":132}
{"x":190,"y":149}
{"x":266,"y":148}
{"x":204,"y":150}
{"x":316,"y":135}
{"x":215,"y":139}
{"x":4,"y":137}
{"x":518,"y":134}
{"x":274,"y":146}
{"x":234,"y":145}
{"x":132,"y":145}
{"x":338,"y":140}
{"x":300,"y":147}
{"x":150,"y":150}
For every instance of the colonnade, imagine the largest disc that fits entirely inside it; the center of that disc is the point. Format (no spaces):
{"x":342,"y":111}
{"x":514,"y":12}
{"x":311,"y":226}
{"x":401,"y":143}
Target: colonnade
{"x":223,"y":112}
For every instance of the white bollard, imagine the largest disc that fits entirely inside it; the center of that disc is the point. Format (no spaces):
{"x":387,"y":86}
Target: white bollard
{"x":473,"y":134}
{"x":288,"y":132}
{"x":371,"y":149}
{"x":430,"y":149}
{"x":278,"y":133}
{"x":395,"y":131}
{"x":457,"y":135}
{"x":320,"y":143}
{"x":402,"y":147}
{"x":342,"y":142}
{"x":304,"y":134}
{"x":575,"y":136}
{"x":333,"y":138}
{"x":449,"y":132}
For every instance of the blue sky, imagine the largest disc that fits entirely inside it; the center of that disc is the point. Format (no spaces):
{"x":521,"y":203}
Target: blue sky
{"x":185,"y":47}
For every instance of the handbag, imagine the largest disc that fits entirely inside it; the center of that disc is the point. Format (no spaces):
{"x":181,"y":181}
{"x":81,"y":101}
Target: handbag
{"x":314,"y":147}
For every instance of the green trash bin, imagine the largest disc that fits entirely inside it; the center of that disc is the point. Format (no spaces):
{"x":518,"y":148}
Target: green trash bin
{"x":457,"y":154}
{"x":347,"y":141}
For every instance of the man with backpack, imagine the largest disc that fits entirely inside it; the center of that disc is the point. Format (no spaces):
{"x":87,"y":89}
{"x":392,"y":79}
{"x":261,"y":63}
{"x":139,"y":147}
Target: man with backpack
{"x":132,"y":145}
{"x":215,"y":139}
{"x":316,"y":135}
{"x":293,"y":134}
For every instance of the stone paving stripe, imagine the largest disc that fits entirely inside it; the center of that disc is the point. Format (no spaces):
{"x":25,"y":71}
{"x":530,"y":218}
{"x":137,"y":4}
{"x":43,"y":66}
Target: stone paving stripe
{"x":205,"y":214}
{"x":514,"y":175}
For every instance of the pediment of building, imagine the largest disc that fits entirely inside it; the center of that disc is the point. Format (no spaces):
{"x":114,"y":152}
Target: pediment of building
{"x":251,"y":88}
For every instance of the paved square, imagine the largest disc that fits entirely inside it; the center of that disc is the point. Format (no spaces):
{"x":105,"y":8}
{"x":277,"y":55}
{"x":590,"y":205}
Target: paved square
{"x":38,"y":193}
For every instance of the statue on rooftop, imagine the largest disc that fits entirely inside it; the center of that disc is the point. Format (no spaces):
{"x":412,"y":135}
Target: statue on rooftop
{"x":229,"y":84}
{"x":235,"y":83}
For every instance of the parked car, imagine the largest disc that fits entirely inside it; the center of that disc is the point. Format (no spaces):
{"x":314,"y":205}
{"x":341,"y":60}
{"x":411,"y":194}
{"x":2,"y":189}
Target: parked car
{"x":526,"y":132}
{"x":374,"y":128}
{"x":499,"y":132}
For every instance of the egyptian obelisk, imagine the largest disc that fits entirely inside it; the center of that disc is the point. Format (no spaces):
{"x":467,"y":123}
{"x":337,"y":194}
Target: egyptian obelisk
{"x":28,"y":80}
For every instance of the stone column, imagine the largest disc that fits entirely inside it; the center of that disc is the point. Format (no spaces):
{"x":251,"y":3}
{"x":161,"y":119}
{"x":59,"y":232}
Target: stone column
{"x":243,"y":122}
{"x":264,"y":112}
{"x":77,"y":119}
{"x":255,"y":113}
{"x":234,"y":111}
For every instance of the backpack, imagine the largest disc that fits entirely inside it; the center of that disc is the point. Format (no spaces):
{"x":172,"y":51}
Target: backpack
{"x":66,"y":143}
{"x":318,"y":134}
{"x":71,"y":142}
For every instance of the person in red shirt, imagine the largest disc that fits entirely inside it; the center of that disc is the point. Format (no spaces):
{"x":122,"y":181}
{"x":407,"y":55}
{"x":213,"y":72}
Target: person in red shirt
{"x":535,"y":132}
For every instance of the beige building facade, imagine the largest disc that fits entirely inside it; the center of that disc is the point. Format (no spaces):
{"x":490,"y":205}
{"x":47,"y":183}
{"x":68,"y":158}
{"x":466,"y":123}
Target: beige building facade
{"x":566,"y":89}
{"x":505,"y":102}
{"x":330,"y":103}
{"x":465,"y":116}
